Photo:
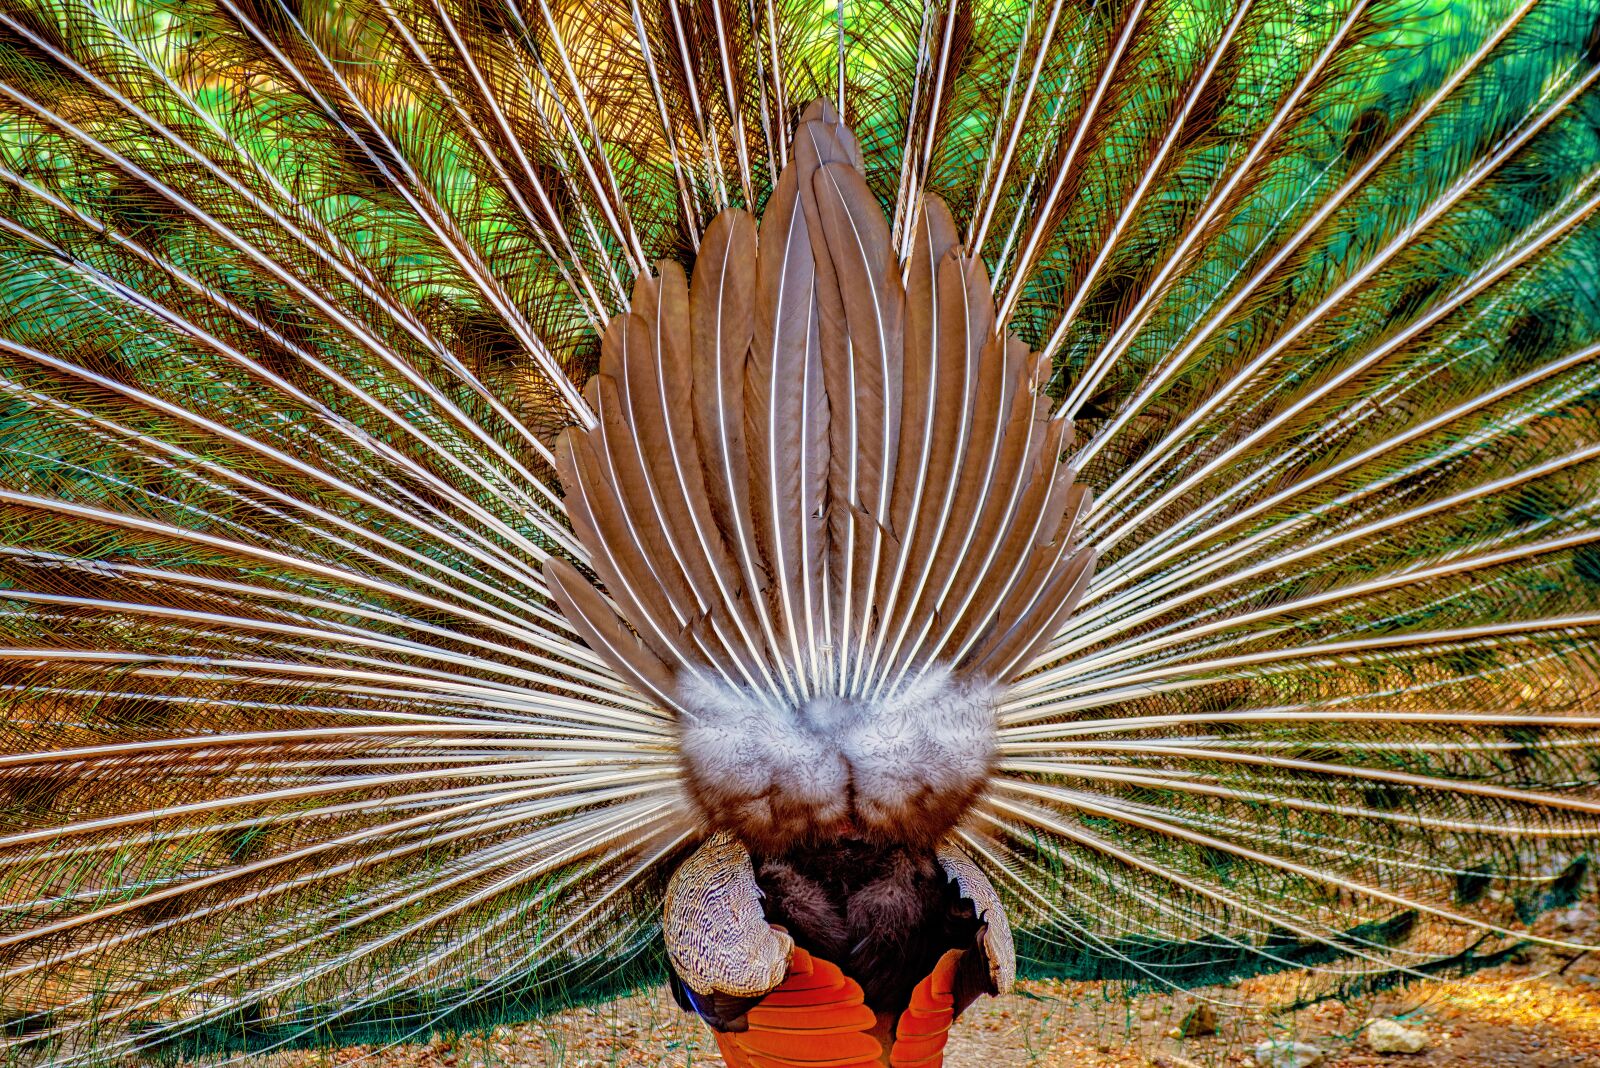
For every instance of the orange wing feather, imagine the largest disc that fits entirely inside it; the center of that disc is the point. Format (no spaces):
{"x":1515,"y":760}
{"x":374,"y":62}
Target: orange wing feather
{"x":817,"y":1018}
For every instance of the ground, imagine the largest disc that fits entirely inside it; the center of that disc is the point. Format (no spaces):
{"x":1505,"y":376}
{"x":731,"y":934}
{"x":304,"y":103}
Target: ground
{"x":1540,"y":1011}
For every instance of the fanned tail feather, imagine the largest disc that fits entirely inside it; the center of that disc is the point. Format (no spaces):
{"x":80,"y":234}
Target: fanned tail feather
{"x":402,"y":404}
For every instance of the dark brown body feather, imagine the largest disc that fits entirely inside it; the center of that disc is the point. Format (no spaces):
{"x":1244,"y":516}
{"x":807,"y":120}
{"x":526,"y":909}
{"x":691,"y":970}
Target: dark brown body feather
{"x":883,"y":913}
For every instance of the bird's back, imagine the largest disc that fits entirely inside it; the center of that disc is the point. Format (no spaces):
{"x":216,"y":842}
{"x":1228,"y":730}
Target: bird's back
{"x":883,"y":913}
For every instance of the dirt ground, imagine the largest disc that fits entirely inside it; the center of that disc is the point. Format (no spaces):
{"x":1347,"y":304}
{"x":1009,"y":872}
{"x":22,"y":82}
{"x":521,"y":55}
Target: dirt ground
{"x":1542,"y":1011}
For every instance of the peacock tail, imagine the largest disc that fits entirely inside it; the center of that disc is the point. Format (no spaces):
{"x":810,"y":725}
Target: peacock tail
{"x":321,"y":719}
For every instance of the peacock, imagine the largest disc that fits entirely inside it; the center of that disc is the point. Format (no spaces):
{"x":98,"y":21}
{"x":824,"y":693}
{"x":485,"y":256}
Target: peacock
{"x":829,"y":504}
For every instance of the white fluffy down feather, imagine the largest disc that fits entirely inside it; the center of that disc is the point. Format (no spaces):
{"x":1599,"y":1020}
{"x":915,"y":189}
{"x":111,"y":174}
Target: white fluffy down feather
{"x":901,"y":768}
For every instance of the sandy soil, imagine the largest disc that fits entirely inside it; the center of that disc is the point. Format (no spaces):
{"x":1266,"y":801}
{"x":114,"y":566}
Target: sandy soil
{"x":1543,"y":1011}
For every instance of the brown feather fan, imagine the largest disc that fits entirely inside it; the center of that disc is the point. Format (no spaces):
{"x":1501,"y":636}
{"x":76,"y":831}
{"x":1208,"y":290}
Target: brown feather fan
{"x":829,"y":498}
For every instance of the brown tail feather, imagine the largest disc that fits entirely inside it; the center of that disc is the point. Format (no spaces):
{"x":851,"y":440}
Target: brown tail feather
{"x":822,"y":476}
